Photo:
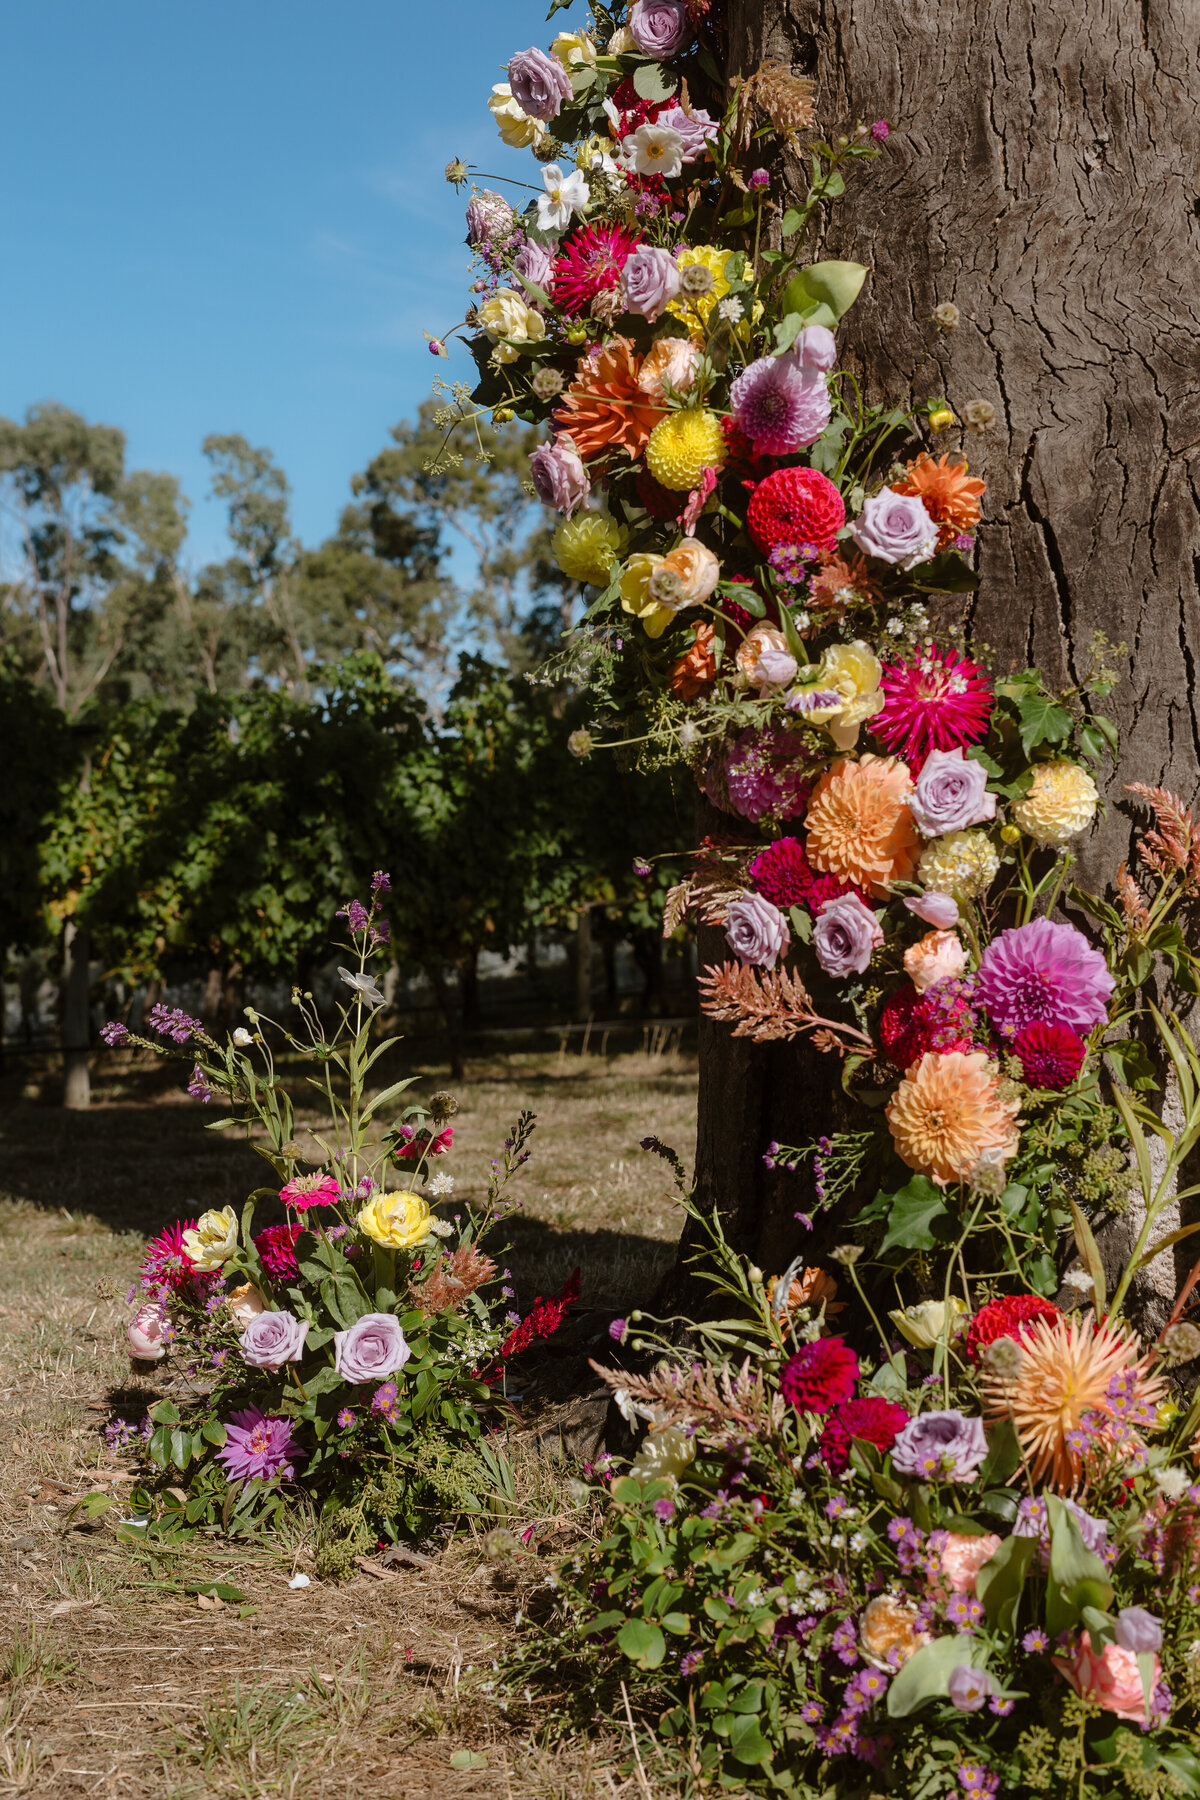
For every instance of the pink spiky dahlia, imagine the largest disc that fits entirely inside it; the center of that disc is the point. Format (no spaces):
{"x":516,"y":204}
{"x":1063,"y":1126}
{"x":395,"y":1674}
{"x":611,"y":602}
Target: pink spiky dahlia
{"x":940,"y":701}
{"x":589,"y":262}
{"x":165,"y":1262}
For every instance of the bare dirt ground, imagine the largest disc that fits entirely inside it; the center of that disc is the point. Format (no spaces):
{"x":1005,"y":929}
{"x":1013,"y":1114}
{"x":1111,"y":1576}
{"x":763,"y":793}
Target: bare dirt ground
{"x":116,"y":1677}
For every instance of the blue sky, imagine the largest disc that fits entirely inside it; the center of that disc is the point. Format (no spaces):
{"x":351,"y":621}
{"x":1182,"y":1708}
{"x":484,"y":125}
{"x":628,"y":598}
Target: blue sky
{"x":232,"y":217}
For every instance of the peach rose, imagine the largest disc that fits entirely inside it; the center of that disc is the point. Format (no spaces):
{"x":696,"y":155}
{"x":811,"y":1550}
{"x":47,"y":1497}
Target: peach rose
{"x":963,"y":1557}
{"x":764,"y":658}
{"x":1112,"y":1680}
{"x":938,"y":957}
{"x":244,"y":1303}
{"x":671,"y":359}
{"x":686,"y":577}
{"x":888,"y":1631}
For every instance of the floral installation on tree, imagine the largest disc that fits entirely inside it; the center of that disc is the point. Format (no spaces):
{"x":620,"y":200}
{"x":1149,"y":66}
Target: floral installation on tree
{"x":965,"y":1566}
{"x":352,"y":1357}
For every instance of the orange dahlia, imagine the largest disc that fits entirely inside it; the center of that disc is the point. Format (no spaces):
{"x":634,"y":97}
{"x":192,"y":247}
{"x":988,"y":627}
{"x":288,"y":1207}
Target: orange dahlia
{"x":947,"y":1112}
{"x":809,"y":1289}
{"x":859,"y":825}
{"x":696,"y":669}
{"x":950,"y":495}
{"x":1078,"y":1382}
{"x":604,"y":408}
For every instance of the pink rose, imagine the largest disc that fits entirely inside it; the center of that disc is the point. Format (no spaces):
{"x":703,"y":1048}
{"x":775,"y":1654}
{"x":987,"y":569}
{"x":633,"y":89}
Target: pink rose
{"x":764,"y":658}
{"x":1112,"y":1680}
{"x":936,"y":909}
{"x":963,"y":1557}
{"x":650,"y":281}
{"x":939,"y":956}
{"x":559,"y":477}
{"x":146,"y":1335}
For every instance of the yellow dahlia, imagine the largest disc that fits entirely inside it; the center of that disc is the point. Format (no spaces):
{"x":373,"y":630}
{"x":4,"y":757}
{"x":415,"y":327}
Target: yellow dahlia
{"x":962,"y":863}
{"x":682,"y":446}
{"x":1061,"y":803}
{"x":1076,"y":1381}
{"x":947,"y":1112}
{"x":694,"y":309}
{"x":586,"y":547}
{"x":859,"y":825}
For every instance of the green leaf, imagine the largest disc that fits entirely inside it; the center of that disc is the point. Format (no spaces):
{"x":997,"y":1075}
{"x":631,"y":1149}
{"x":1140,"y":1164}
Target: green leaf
{"x":912,"y":1212}
{"x":213,"y":1432}
{"x":215,"y":1590}
{"x":999,"y":1582}
{"x":1003,"y":1454}
{"x":834,"y":285}
{"x":787,"y":331}
{"x":1078,"y":1578}
{"x":1042,"y":722}
{"x":1089,"y":1255}
{"x":1136,"y":1067}
{"x":652,"y":82}
{"x":164,"y":1413}
{"x":926,"y":1674}
{"x":746,"y":1740}
{"x":642,"y":1642}
{"x":677,"y":1622}
{"x":945,"y":573}
{"x":471,"y":1759}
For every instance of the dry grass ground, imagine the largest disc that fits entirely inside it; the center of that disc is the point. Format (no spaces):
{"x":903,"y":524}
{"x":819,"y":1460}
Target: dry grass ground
{"x":116,"y":1678}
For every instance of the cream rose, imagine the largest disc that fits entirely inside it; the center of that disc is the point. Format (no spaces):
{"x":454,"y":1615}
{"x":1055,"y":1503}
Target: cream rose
{"x":685,"y":577}
{"x":922,"y":1325}
{"x":854,"y":671}
{"x":636,"y":597}
{"x":244,"y":1303}
{"x":574,"y":50}
{"x":938,"y":956}
{"x":213,"y":1239}
{"x":515,"y":127}
{"x":506,"y":315}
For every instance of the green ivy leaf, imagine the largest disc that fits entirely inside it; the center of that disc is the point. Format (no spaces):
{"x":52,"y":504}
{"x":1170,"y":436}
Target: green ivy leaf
{"x":1043,"y":721}
{"x":912,"y":1212}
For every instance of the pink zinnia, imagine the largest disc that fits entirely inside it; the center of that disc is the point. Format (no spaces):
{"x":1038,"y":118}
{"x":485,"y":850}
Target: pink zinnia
{"x":276,"y":1248}
{"x":257,"y":1447}
{"x":820,"y":1376}
{"x":780,"y":408}
{"x":1043,"y":970}
{"x":939,"y":702}
{"x":311,"y":1190}
{"x":165,"y":1260}
{"x":589,"y":262}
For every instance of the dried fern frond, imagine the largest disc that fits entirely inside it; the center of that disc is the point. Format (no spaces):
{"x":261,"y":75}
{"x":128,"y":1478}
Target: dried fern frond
{"x":771,"y":1004}
{"x":452,"y":1279}
{"x":729,"y":1405}
{"x":1175,"y":847}
{"x":1137,"y":913}
{"x":719,"y":875}
{"x":788,"y":100}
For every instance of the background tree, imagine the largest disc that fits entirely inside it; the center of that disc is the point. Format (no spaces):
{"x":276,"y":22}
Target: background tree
{"x":1040,"y":178}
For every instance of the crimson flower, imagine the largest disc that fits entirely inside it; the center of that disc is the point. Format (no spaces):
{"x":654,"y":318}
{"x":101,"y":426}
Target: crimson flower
{"x":820,"y":1376}
{"x":875,"y":1421}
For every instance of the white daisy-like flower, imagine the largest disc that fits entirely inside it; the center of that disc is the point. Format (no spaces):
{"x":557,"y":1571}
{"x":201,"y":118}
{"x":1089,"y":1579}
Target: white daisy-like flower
{"x":363,"y":986}
{"x":653,"y":150}
{"x":1172,"y":1482}
{"x":564,"y":196}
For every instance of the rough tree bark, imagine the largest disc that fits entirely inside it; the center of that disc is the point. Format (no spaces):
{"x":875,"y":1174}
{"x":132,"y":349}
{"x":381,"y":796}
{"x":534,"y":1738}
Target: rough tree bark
{"x":1041,"y":175}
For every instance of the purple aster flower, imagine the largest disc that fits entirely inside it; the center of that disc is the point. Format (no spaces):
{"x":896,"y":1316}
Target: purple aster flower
{"x":844,"y":1643}
{"x":114,"y":1033}
{"x":812,"y":1712}
{"x":1035,"y":1642}
{"x":1001,"y":1707}
{"x":1045,"y":970}
{"x":345,"y":1418}
{"x":965,"y":1611}
{"x":780,"y":408}
{"x":384,"y":1401}
{"x":257,"y":1447}
{"x":690,"y":1662}
{"x":978,"y":1781}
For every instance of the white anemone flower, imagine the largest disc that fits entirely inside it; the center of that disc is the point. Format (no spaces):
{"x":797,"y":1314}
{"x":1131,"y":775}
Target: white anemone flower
{"x":654,"y":150}
{"x":564,"y":195}
{"x":362,"y":986}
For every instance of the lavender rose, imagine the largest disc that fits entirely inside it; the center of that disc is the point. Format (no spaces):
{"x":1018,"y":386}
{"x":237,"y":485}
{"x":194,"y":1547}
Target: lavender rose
{"x":539,"y":83}
{"x":272,"y":1339}
{"x":938,"y":910}
{"x":696,"y":129}
{"x":1138,"y":1630}
{"x":895,"y":528}
{"x":488,"y":216}
{"x":650,"y":281}
{"x":559,"y":478}
{"x":845,"y":936}
{"x":536,"y":263}
{"x":951,"y":793}
{"x":756,"y":930}
{"x":658,"y":27}
{"x":940,"y":1446}
{"x":371,"y":1350}
{"x":814,"y":348}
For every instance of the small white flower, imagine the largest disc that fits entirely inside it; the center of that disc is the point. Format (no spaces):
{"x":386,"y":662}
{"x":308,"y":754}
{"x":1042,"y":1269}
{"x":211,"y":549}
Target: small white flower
{"x":299,"y":1581}
{"x":1171,"y":1483}
{"x":1077,"y":1279}
{"x":731,"y":310}
{"x":242,"y":1038}
{"x":565,"y":195}
{"x":838,"y":1540}
{"x":653,"y":150}
{"x":440,"y":1183}
{"x":858,"y":1542}
{"x":441,"y":1228}
{"x":363,"y":986}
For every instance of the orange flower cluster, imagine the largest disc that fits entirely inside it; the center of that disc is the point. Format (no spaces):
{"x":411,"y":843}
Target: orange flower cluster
{"x":951,"y":497}
{"x":604,"y":408}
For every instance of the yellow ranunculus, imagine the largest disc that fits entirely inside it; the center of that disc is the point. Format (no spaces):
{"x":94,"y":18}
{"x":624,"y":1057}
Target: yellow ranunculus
{"x":506,"y":315}
{"x":923,"y":1325}
{"x":517,"y":129}
{"x":213,"y":1239}
{"x":635,"y":594}
{"x":853,"y":670}
{"x":397,"y":1220}
{"x":694,"y":309}
{"x":574,"y":50}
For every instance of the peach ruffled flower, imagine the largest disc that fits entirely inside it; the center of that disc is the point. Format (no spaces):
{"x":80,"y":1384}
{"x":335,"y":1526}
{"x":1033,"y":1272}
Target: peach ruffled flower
{"x":962,"y":1557}
{"x":889,"y":1633}
{"x":696,"y":669}
{"x":671,"y":359}
{"x":686,"y":576}
{"x":951,"y":497}
{"x":604,"y":408}
{"x":859,"y":825}
{"x":1112,"y":1679}
{"x":809,"y":1289}
{"x":938,"y":956}
{"x":947,"y":1112}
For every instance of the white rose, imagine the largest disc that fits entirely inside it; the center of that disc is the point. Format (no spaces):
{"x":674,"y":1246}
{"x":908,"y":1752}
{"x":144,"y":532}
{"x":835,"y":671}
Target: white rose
{"x":213,"y":1239}
{"x":506,"y":315}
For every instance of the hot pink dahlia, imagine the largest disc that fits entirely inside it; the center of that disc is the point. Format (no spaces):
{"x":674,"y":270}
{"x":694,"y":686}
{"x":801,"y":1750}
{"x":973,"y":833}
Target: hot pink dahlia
{"x":941,"y":701}
{"x":877,"y":1422}
{"x":1043,"y":970}
{"x":311,"y":1190}
{"x":1051,"y":1055}
{"x":165,"y":1260}
{"x":276,"y":1248}
{"x":820,"y":1376}
{"x":257,"y":1446}
{"x":780,"y":408}
{"x":589,"y":262}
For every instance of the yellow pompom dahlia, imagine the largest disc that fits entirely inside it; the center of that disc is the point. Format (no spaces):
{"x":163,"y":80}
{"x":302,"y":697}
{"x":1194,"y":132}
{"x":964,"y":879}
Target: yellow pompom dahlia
{"x":585,"y":548}
{"x":1061,"y":803}
{"x":963,"y":863}
{"x":682,"y":446}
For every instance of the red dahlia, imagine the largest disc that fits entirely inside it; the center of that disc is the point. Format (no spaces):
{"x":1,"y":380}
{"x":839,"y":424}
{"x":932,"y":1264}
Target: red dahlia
{"x":659,"y":502}
{"x":796,"y":506}
{"x":940,"y":701}
{"x":276,"y":1248}
{"x":783,"y":874}
{"x":820,"y":1376}
{"x":877,"y":1422}
{"x":591,"y":261}
{"x":1051,"y":1055}
{"x":912,"y":1024}
{"x":1004,"y":1318}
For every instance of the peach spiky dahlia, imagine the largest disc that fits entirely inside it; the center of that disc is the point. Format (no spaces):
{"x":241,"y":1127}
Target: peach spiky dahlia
{"x":1080,"y":1385}
{"x":951,"y":497}
{"x":604,"y":408}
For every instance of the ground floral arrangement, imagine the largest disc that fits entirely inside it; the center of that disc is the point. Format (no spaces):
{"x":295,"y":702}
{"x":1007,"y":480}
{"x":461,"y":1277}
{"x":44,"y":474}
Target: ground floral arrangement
{"x":964,"y":1556}
{"x":350,"y":1360}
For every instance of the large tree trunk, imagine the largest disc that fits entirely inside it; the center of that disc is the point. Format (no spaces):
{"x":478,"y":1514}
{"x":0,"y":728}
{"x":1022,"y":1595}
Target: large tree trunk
{"x":1040,"y":175}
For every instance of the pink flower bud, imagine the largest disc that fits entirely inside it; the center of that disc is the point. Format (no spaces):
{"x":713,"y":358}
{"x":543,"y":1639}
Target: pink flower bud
{"x":146,"y":1335}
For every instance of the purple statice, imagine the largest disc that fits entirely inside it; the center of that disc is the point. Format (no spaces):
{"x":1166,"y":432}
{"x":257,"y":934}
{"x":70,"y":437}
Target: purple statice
{"x":844,"y":1643}
{"x":690,"y":1661}
{"x":964,"y":542}
{"x":355,"y":915}
{"x":198,"y":1086}
{"x":384,"y":1402}
{"x":172,"y":1022}
{"x":345,"y":1419}
{"x":257,"y":1447}
{"x":381,"y":933}
{"x":1035,"y":1642}
{"x":114,"y":1033}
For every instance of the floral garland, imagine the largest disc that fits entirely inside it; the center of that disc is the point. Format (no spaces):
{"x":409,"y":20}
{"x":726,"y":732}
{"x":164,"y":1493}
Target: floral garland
{"x":814,"y":1577}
